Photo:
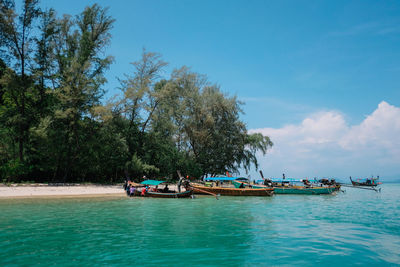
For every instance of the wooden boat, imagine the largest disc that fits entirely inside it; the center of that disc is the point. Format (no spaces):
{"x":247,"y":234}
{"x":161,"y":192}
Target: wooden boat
{"x":302,"y":190}
{"x":226,"y":191}
{"x":366,"y":182}
{"x":184,"y":194}
{"x":292,"y":189}
{"x":154,"y":192}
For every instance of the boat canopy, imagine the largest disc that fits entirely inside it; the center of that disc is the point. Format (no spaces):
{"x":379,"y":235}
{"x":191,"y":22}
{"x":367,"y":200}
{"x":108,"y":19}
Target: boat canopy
{"x":225,"y":178}
{"x":288,"y":180}
{"x":152,"y":182}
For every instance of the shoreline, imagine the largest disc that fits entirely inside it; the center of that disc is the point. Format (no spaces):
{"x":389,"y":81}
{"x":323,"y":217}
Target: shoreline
{"x":26,"y":191}
{"x":48,"y":191}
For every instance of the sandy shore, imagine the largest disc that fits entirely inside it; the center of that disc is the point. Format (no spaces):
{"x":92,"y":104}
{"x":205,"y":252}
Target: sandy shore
{"x":59,"y":191}
{"x":42,"y":190}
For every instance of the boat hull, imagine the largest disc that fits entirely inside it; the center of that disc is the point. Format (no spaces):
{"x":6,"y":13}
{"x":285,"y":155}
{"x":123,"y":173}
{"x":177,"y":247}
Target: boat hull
{"x":223,"y":191}
{"x":368,"y":182}
{"x":185,"y":194}
{"x":363,"y":184}
{"x":305,"y":190}
{"x":298,"y":190}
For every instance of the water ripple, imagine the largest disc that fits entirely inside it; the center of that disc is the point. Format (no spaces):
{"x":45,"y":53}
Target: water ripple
{"x":352,"y":228}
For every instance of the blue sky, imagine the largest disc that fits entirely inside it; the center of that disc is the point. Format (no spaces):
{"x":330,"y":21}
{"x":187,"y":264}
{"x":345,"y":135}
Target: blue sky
{"x":287,"y":60}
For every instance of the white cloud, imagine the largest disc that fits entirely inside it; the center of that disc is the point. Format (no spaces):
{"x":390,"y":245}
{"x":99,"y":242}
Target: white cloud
{"x":380,"y":129}
{"x":323,"y":144}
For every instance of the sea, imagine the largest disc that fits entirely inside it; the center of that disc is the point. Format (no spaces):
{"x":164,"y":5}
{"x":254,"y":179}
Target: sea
{"x":353,"y":227}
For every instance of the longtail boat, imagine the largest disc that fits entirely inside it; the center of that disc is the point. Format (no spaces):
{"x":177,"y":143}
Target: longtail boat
{"x":144,"y":190}
{"x":366,"y":182}
{"x":184,"y":194}
{"x":302,"y":190}
{"x":227,"y":191}
{"x":291,"y":189}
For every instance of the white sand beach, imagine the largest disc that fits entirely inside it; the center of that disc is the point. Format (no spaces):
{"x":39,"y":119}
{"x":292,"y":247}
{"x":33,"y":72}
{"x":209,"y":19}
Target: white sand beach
{"x":43,"y":190}
{"x":16,"y":191}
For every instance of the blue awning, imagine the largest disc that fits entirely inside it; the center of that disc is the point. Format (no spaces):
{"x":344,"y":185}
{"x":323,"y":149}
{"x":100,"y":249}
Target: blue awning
{"x":221,"y":178}
{"x":287,"y":180}
{"x":152,"y":182}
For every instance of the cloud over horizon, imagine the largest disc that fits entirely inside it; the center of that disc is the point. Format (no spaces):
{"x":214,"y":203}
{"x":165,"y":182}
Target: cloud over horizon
{"x":324,"y":144}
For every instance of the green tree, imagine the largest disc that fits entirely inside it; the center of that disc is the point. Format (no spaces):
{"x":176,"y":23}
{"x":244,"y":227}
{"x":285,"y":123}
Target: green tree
{"x":140,"y":99}
{"x":17,"y":42}
{"x":208,"y":126}
{"x":54,"y":127}
{"x":78,"y":47}
{"x":44,"y":67}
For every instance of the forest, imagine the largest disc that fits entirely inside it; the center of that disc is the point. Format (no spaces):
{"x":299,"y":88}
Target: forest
{"x":57,"y":126}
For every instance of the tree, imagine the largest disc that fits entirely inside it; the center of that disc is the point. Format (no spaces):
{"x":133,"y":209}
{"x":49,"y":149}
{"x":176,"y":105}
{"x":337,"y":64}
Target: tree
{"x":54,"y":127}
{"x":208,"y":126}
{"x":78,"y":46}
{"x":140,"y":99}
{"x":44,"y":67}
{"x":16,"y":40}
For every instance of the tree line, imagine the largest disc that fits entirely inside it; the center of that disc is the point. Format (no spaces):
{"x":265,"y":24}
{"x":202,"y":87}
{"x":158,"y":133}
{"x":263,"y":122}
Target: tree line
{"x":56,"y":125}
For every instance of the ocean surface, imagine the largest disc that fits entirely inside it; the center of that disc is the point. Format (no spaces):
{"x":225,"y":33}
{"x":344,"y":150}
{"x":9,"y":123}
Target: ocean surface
{"x":355,"y":227}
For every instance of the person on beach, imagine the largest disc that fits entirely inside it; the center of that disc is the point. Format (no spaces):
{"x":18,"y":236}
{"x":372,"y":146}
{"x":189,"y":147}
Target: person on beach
{"x":125,"y":184}
{"x":132,"y":191}
{"x":143,"y":191}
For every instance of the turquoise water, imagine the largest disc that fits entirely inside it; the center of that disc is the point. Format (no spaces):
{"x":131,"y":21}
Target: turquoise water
{"x":358,"y":227}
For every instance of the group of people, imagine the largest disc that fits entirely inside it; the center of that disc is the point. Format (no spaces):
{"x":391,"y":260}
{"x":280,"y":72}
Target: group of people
{"x":134,"y":190}
{"x":130,"y":190}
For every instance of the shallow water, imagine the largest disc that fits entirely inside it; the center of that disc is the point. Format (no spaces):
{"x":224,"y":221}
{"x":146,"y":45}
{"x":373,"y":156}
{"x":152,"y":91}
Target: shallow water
{"x":358,"y":227}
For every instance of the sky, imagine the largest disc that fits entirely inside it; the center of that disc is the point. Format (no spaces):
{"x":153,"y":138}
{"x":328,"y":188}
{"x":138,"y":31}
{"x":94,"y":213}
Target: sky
{"x":321,"y":78}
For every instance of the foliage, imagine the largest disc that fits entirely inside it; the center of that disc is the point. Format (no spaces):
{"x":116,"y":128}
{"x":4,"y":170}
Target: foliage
{"x":55,"y":125}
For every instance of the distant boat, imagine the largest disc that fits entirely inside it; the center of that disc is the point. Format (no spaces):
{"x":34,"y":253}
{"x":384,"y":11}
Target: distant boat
{"x":366,"y":182}
{"x":291,"y":189}
{"x":228,"y":191}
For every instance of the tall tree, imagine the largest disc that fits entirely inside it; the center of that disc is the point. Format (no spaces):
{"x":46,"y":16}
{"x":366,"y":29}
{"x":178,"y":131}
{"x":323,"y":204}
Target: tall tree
{"x":140,"y":99}
{"x":17,"y":42}
{"x":53,"y":125}
{"x":208,"y":125}
{"x":44,"y":68}
{"x":79,"y":43}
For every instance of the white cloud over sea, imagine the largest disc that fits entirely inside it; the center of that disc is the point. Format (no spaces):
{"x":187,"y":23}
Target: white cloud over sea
{"x":324,"y":144}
